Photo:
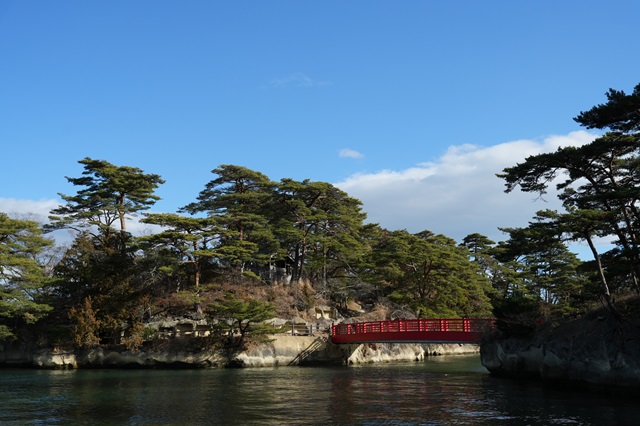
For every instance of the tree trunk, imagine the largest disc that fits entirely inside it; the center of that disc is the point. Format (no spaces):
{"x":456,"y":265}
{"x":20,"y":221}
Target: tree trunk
{"x":123,"y":225}
{"x":196,"y":282}
{"x":603,"y":279}
{"x":295,"y":267}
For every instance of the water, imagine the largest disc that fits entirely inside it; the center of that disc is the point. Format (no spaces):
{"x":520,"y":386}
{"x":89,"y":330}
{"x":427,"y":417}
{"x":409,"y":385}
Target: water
{"x":439,"y":391}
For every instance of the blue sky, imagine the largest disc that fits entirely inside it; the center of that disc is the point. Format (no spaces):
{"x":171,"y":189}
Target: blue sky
{"x":409,"y":106}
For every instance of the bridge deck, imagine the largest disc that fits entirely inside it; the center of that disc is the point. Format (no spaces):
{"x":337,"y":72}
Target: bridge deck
{"x":446,"y":330}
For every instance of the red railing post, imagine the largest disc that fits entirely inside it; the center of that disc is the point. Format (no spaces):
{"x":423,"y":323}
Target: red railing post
{"x":444,"y":328}
{"x":444,"y":325}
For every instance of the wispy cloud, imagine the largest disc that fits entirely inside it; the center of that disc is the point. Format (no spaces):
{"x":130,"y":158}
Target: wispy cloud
{"x":350,"y":153}
{"x":298,"y":80}
{"x":38,"y":210}
{"x":459,"y":193}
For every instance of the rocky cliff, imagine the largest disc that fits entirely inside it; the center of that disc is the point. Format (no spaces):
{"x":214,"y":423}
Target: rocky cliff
{"x":284,"y":350}
{"x":600,"y":349}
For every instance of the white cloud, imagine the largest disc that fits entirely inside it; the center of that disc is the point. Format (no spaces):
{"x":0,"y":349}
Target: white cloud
{"x":459,"y":193}
{"x":39,"y":211}
{"x":350,"y":153}
{"x":298,"y":80}
{"x":36,"y":210}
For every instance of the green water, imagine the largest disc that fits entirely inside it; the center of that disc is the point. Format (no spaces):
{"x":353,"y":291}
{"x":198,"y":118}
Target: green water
{"x":439,"y":391}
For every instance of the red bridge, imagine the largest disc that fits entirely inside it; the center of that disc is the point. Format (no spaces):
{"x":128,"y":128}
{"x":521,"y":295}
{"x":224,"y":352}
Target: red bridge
{"x":458,"y":330}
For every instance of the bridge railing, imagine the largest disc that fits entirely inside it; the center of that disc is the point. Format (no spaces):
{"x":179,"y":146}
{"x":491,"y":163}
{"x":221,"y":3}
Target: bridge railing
{"x":469,"y":325}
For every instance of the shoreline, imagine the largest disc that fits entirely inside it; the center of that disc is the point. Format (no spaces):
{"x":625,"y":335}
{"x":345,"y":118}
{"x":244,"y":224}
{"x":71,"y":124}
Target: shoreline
{"x":598,"y":351}
{"x":284,"y":350}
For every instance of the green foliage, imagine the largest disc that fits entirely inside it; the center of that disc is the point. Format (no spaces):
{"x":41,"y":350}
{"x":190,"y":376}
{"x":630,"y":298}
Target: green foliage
{"x":107,"y":275}
{"x":5,"y":332}
{"x":22,"y":279}
{"x":312,"y":228}
{"x":620,"y":113}
{"x":238,"y":321}
{"x":542,"y":263}
{"x":193,"y":241}
{"x":430,"y":274}
{"x":318,"y":226}
{"x":109,"y":193}
{"x":239,"y":199}
{"x":101,"y":266}
{"x":599,"y":192}
{"x":479,"y":247}
{"x":251,"y":276}
{"x":518,"y":315}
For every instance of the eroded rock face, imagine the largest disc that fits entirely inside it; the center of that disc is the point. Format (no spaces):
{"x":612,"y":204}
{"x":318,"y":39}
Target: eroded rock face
{"x":387,"y":352}
{"x":596,"y":350}
{"x":54,"y":360}
{"x":15,"y":354}
{"x":284,"y":350}
{"x":100,"y":358}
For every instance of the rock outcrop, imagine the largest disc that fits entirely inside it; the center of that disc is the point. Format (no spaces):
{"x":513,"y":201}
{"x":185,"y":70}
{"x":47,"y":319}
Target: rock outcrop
{"x":284,"y":350}
{"x":596,"y":350}
{"x":388,"y":352}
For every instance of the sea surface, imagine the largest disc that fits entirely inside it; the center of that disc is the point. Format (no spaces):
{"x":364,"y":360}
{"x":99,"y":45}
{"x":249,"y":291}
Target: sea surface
{"x":453,"y":390}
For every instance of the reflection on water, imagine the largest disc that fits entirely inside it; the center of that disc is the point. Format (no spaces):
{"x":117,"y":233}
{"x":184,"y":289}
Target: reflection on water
{"x":439,"y":391}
